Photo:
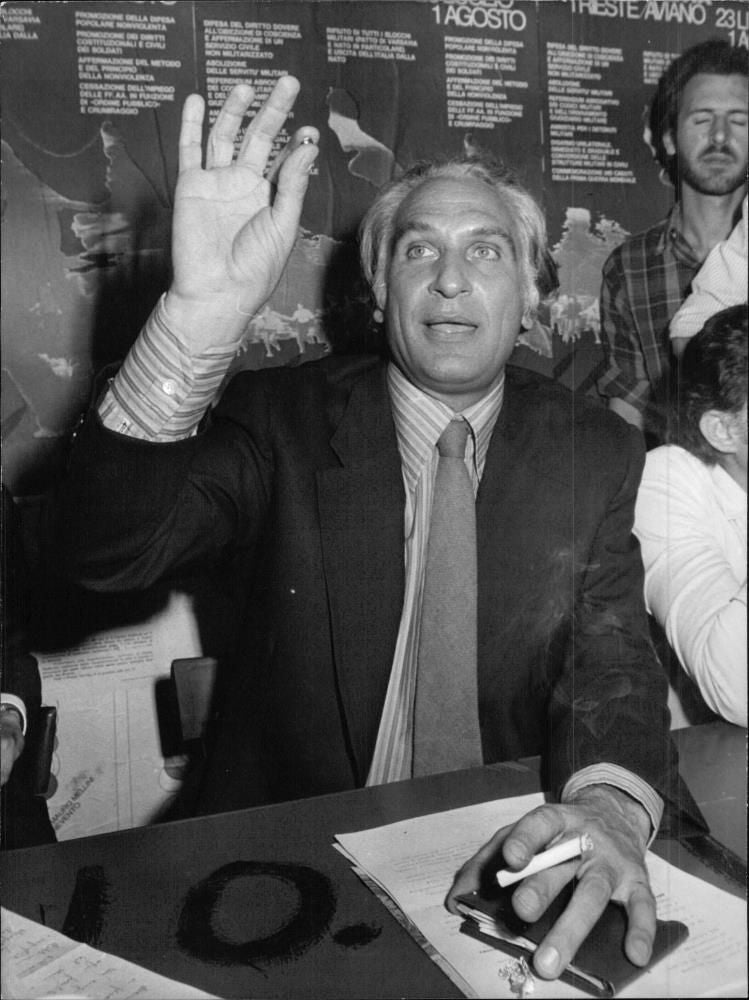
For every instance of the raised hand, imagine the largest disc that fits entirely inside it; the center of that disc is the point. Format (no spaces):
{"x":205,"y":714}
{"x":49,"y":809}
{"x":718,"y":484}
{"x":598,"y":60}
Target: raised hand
{"x":615,"y":869}
{"x":233,"y":228}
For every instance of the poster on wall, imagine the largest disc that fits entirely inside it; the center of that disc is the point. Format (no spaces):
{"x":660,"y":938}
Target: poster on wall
{"x":600,"y":62}
{"x":91,"y":98}
{"x":91,"y":103}
{"x":90,"y":120}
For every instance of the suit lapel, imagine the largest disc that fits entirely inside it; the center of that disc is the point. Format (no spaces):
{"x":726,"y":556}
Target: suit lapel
{"x":361,"y":521}
{"x":518,"y":492}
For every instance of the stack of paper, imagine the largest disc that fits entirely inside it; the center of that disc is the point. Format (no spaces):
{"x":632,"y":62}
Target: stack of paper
{"x":411,"y":865}
{"x":42,"y":964}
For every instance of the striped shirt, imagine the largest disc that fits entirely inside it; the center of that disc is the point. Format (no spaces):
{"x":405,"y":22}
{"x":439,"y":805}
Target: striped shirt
{"x":161,"y":393}
{"x":419,"y":423}
{"x":645,"y":280}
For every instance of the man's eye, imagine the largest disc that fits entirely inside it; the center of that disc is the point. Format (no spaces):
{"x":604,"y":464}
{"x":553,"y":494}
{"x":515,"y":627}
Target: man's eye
{"x":739,"y":119}
{"x":701,"y":119}
{"x":419,"y":251}
{"x":485,"y":252}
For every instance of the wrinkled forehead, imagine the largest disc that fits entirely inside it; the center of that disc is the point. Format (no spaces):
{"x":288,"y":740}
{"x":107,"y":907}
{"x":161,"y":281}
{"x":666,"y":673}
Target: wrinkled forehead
{"x":444,"y":196}
{"x":453,"y":204}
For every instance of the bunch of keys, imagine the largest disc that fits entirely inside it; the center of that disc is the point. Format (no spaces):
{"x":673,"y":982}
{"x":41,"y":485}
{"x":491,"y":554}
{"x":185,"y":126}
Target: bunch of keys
{"x":519,"y":976}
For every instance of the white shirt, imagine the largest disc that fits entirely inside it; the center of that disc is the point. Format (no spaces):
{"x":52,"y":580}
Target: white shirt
{"x":691,"y":522}
{"x":720,"y":282}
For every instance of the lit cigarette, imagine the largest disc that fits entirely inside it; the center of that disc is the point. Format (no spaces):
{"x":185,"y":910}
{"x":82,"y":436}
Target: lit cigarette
{"x":547,"y":859}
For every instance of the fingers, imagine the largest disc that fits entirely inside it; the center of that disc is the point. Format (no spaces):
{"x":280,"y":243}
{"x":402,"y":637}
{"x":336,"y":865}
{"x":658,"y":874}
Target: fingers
{"x":482,"y":866}
{"x":641,"y":913}
{"x":267,"y":123}
{"x":220,"y":148}
{"x":534,"y":894}
{"x":583,"y":911}
{"x":513,"y":845}
{"x":466,"y":881}
{"x":225,"y":129}
{"x":259,"y":134}
{"x":191,"y":133}
{"x":534,"y":833}
{"x":305,"y":136}
{"x":293,"y":179}
{"x":588,"y":902}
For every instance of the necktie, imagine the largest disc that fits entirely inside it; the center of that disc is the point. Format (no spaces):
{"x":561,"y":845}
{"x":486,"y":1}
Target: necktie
{"x":446,"y":728}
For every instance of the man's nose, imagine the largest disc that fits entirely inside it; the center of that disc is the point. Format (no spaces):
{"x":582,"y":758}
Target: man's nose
{"x":720,"y":130}
{"x":450,"y":276}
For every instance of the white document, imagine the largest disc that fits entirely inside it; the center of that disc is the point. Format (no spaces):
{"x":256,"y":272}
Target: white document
{"x":414,"y":863}
{"x":109,"y":769}
{"x":42,"y":964}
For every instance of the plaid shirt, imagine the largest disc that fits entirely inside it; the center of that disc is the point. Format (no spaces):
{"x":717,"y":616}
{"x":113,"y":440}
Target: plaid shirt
{"x":645,"y":280}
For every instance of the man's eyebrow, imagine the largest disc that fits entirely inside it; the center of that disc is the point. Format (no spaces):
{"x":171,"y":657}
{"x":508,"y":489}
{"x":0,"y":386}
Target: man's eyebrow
{"x":425,"y":228}
{"x":712,"y":108}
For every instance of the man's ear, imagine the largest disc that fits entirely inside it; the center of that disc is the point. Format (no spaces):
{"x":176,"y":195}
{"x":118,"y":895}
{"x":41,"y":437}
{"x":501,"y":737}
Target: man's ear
{"x":668,"y":143}
{"x":720,"y":430}
{"x":379,"y":290}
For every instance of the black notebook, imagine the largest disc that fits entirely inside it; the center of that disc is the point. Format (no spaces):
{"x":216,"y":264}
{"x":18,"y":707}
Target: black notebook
{"x":600,"y":966}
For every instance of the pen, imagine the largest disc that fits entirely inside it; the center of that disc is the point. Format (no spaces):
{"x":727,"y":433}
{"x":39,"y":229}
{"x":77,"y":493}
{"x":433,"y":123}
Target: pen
{"x":547,"y":859}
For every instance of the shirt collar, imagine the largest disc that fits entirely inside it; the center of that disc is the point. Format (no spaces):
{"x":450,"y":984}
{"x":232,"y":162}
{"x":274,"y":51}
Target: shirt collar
{"x":673,"y":238}
{"x":420,"y":420}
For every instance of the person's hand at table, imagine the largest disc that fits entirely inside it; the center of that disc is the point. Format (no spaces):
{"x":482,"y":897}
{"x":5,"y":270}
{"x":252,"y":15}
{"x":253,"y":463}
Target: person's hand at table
{"x":235,"y":221}
{"x":614,"y":869}
{"x":11,"y":742}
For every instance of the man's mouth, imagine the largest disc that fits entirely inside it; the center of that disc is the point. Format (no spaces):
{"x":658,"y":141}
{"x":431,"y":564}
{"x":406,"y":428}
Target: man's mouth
{"x":447,"y":326}
{"x":719,"y":156}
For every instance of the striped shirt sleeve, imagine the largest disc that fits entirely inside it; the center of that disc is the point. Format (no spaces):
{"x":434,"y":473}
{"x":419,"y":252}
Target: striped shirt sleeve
{"x":625,"y":781}
{"x":161,"y":391}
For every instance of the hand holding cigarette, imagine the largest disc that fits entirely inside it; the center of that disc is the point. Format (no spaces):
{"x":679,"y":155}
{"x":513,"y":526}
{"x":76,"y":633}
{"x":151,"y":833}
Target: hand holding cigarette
{"x":611,"y":863}
{"x":555,"y":855}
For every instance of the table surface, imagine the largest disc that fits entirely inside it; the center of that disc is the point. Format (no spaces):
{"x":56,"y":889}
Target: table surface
{"x":268,"y":879}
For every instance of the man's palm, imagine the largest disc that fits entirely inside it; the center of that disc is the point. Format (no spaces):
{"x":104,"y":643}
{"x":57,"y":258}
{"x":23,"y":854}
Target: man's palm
{"x":225,"y":234}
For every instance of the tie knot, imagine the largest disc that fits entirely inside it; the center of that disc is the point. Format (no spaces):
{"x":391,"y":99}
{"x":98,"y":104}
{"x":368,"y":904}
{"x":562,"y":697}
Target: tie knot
{"x":452,"y":443}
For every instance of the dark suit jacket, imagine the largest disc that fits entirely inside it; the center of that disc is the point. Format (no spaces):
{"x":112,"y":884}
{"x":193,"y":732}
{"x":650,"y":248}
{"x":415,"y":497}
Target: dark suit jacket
{"x":297,"y":476}
{"x":24,"y":820}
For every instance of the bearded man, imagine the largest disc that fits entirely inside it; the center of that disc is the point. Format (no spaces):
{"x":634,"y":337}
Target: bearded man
{"x":698,"y":125}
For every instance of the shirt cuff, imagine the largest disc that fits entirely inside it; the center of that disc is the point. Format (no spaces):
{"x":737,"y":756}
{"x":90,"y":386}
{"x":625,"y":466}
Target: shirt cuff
{"x":626,"y":781}
{"x":12,"y":701}
{"x":161,"y":391}
{"x":690,"y":319}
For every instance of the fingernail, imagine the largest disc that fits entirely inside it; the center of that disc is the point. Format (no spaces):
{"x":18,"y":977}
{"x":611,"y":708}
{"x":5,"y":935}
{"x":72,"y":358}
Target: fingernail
{"x":546,"y":960}
{"x":308,"y":140}
{"x":639,"y":952}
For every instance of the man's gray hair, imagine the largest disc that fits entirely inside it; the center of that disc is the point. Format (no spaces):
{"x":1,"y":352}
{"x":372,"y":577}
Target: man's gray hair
{"x":377,"y":229}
